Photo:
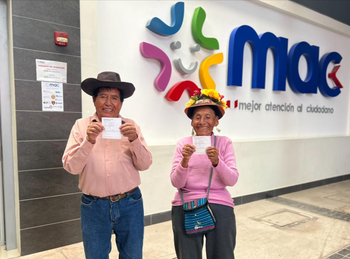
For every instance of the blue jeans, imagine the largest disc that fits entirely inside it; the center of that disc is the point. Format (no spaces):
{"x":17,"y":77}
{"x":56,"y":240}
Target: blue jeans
{"x":100,"y":217}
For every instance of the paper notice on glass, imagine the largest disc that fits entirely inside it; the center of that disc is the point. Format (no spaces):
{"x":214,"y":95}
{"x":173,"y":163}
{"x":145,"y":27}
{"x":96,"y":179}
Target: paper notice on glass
{"x":112,"y":130}
{"x":201,"y":143}
{"x":52,"y":71}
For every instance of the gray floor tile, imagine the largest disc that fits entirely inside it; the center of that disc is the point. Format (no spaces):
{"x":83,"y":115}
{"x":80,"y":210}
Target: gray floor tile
{"x":336,"y":256}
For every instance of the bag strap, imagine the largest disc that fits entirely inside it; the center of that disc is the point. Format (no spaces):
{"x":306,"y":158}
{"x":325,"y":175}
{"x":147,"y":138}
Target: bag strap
{"x":210,"y":177}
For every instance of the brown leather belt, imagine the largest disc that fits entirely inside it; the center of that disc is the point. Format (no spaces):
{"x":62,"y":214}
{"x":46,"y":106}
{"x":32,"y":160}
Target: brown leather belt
{"x":117,"y":197}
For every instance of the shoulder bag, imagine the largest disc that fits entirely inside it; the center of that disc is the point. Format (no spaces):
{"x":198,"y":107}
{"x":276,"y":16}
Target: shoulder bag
{"x":198,"y":215}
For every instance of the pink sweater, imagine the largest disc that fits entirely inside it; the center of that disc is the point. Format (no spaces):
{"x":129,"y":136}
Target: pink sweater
{"x":194,"y":179}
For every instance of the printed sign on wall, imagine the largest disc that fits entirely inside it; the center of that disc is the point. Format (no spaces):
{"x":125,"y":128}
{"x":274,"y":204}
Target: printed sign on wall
{"x":52,"y":96}
{"x":51,"y":71}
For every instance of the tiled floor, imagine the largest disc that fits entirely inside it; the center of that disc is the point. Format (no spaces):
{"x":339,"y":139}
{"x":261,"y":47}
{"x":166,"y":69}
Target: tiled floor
{"x":313,"y":223}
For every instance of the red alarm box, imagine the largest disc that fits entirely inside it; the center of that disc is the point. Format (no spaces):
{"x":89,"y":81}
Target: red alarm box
{"x":61,"y":38}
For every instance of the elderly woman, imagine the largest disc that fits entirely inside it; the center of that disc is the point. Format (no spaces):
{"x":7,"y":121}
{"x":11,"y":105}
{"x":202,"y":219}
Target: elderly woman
{"x":190,"y":175}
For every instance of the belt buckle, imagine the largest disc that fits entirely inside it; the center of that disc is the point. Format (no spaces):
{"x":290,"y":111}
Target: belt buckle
{"x":120,"y":196}
{"x":115,"y":198}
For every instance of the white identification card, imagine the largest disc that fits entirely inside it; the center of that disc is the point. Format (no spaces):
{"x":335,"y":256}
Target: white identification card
{"x":112,"y":130}
{"x":201,"y":143}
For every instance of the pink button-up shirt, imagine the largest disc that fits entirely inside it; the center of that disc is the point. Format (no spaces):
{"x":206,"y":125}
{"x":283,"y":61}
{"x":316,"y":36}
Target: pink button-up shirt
{"x":108,"y":167}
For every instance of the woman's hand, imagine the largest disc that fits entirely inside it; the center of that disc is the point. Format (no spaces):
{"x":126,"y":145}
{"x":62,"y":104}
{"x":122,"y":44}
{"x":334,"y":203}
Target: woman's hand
{"x":213,"y":155}
{"x":93,"y":130}
{"x":187,"y":152}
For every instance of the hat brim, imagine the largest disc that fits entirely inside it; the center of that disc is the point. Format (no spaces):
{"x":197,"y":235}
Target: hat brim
{"x":189,"y":110}
{"x":90,"y":85}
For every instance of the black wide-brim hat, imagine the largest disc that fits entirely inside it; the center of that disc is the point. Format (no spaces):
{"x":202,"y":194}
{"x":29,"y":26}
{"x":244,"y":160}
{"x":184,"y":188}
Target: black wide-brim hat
{"x":107,"y":79}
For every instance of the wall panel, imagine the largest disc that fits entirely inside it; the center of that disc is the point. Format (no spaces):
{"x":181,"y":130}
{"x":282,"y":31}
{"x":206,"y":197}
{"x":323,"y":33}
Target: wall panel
{"x":49,"y":196}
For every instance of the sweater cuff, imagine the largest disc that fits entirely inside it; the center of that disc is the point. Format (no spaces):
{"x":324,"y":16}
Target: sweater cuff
{"x":182,"y":169}
{"x":220,"y":167}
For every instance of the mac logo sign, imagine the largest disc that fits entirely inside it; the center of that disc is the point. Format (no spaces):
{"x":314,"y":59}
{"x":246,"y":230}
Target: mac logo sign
{"x":285,"y":63}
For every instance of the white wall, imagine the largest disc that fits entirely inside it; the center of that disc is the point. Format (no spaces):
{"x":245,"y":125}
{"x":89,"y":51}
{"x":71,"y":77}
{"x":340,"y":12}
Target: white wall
{"x":119,"y":35}
{"x":273,"y":150}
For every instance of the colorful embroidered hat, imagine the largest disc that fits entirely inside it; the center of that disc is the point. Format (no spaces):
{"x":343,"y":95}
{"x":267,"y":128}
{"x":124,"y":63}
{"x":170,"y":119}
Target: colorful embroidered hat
{"x":206,"y":97}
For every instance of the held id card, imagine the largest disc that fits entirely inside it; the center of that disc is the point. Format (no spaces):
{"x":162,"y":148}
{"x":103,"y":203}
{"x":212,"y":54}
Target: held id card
{"x":201,"y":143}
{"x":112,"y":130}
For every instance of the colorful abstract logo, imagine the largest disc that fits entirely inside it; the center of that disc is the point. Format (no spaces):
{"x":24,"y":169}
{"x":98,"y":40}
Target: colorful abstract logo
{"x":151,"y":51}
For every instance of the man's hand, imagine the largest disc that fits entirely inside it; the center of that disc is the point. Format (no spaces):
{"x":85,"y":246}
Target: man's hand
{"x":128,"y":130}
{"x":93,"y":130}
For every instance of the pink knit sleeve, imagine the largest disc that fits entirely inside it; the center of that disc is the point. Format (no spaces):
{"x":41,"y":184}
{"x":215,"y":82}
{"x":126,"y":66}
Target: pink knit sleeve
{"x":178,"y":174}
{"x":226,"y":169}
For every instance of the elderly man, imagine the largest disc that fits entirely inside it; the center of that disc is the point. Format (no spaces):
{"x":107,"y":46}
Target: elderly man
{"x":108,"y":172}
